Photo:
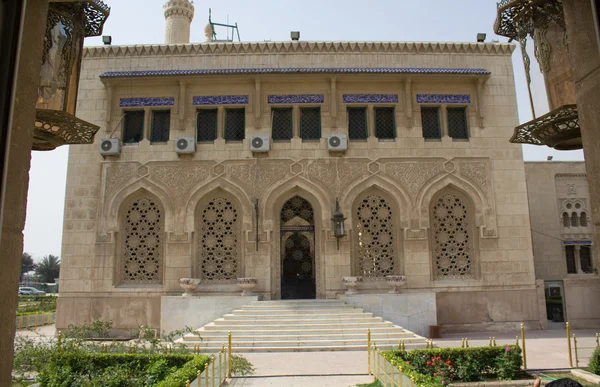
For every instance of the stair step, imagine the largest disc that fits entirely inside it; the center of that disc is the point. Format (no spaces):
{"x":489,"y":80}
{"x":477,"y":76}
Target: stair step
{"x":222,"y":336}
{"x":327,"y":348}
{"x":232,"y":319}
{"x":260,"y":312}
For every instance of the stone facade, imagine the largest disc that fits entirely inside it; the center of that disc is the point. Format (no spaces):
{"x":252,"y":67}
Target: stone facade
{"x":563,"y":233}
{"x":450,"y":213}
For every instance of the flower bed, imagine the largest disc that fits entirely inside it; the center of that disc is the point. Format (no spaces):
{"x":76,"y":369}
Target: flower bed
{"x":441,"y":366}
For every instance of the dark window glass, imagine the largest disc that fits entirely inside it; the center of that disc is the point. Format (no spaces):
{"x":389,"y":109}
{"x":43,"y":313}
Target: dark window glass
{"x":585,"y":258}
{"x":583,"y":219}
{"x":161,"y":124}
{"x":133,"y":127}
{"x":310,"y":123}
{"x":570,"y":254}
{"x":206,"y":125}
{"x":430,"y":118}
{"x":282,"y":124}
{"x":357,"y":123}
{"x":385,"y":127}
{"x":457,"y":123}
{"x":235,"y":124}
{"x":574,"y":220}
{"x":566,"y":220}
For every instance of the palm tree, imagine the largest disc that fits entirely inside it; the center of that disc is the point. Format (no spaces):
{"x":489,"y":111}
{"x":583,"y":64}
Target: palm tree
{"x":48,"y":269}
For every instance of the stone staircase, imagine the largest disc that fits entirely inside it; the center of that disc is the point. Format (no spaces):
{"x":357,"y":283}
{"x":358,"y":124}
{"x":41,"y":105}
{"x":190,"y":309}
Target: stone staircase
{"x":300,"y":325}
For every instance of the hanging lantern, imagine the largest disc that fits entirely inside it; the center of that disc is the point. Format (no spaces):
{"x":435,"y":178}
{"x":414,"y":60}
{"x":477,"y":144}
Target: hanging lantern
{"x":338,"y":224}
{"x":68,"y":23}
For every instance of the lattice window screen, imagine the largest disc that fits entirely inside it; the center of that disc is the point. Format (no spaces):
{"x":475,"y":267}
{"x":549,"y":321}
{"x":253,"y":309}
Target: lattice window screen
{"x":161,"y":125}
{"x":282,"y":124}
{"x":457,"y":123}
{"x":585,"y":258}
{"x":375,"y":242}
{"x":430,"y":118}
{"x":141,"y":246}
{"x":133,"y":127}
{"x":566,"y":220}
{"x":385,"y":127}
{"x":219,"y":241}
{"x":235,"y":124}
{"x":583,"y":222}
{"x":310,"y":123}
{"x":357,"y":123}
{"x":206,"y":125}
{"x":570,"y":256}
{"x":452,"y":243}
{"x":574,"y":220}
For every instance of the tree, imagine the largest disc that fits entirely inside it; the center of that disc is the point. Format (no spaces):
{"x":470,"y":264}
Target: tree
{"x":48,"y":269}
{"x":27,"y":263}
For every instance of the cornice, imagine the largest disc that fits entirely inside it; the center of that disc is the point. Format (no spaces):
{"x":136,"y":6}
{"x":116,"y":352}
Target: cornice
{"x":262,"y":48}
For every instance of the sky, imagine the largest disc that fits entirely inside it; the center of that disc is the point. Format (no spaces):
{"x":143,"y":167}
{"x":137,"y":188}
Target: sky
{"x":142,"y":22}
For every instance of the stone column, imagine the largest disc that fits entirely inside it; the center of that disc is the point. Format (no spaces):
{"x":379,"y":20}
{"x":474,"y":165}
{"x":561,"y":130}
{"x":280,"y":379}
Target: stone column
{"x":15,"y":176}
{"x":585,"y":59}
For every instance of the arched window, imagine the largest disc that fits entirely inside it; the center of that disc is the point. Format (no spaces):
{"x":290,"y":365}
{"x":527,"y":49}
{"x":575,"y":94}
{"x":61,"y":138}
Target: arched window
{"x":583,"y":219}
{"x":566,"y":220}
{"x":574,"y":220}
{"x":451,"y":237}
{"x":375,"y":237}
{"x":219,"y":242}
{"x":142,"y":228}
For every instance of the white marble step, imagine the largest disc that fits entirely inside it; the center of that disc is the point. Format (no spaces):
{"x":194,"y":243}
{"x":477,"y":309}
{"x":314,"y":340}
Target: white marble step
{"x":297,"y":306}
{"x":291,"y":302}
{"x":314,"y":316}
{"x":214,"y":331}
{"x":298,"y":348}
{"x":224,"y":325}
{"x":236,"y":320}
{"x":262,"y":312}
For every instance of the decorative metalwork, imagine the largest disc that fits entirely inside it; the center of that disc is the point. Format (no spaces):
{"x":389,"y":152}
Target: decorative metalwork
{"x":558,"y":129}
{"x":141,"y":102}
{"x":430,"y":118}
{"x":235,"y":124}
{"x":370,"y":98}
{"x":282,"y":124}
{"x":220,"y":100}
{"x":385,"y":125}
{"x":206,"y":125}
{"x":375,"y":241}
{"x":452,"y":244}
{"x":295,"y":98}
{"x":161,"y":125}
{"x":310,"y":123}
{"x":443,"y":98}
{"x":55,"y":128}
{"x":141,"y":249}
{"x":219,"y":244}
{"x":457,"y":123}
{"x":357,"y":123}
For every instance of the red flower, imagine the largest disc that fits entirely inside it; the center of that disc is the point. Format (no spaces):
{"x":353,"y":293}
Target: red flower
{"x":434,"y":374}
{"x":428,"y":363}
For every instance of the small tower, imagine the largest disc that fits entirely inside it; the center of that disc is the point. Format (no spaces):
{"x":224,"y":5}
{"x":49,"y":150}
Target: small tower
{"x":179,"y":15}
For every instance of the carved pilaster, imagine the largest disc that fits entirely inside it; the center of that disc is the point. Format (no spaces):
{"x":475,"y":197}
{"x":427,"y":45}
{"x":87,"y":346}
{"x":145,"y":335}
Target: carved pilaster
{"x":333,"y":98}
{"x":182,"y":104}
{"x":109,"y":102}
{"x":480,"y":83}
{"x":257,"y":101}
{"x":408,"y":102}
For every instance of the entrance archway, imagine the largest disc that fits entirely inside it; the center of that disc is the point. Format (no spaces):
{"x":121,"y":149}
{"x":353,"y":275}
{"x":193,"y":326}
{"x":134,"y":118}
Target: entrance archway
{"x":297,"y":250}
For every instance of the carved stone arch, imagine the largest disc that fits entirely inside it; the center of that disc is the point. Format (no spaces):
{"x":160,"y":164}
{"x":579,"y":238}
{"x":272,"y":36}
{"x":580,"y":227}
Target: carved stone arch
{"x":141,"y":238}
{"x":204,"y":190}
{"x":218,"y":248}
{"x":399,"y":197}
{"x":113,"y":203}
{"x":375,"y":219}
{"x":483,"y":210}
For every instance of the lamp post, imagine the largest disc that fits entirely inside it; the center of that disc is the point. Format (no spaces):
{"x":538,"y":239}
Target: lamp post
{"x":338,"y":223}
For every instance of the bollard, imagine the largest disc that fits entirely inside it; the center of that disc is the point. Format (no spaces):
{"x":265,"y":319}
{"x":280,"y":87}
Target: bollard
{"x":401,"y":373}
{"x":576,"y":353}
{"x":462,"y":343}
{"x":229,"y":354}
{"x":568,"y":328}
{"x":494,"y":341}
{"x":369,"y":350}
{"x":213,"y":370}
{"x":524,"y":350}
{"x":187,"y":383}
{"x":490,"y":341}
{"x":199,"y":378}
{"x":467,"y":342}
{"x":385,"y":373}
{"x":206,"y":369}
{"x":221,"y":364}
{"x":412,"y":381}
{"x":598,"y":340}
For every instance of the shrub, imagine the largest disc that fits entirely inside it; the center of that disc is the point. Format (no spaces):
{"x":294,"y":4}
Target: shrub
{"x":93,"y":330}
{"x":594,"y":365}
{"x":185,"y":373}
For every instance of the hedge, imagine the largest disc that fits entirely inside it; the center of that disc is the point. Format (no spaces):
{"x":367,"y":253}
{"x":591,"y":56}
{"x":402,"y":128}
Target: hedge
{"x":440,"y":366}
{"x":594,"y":365}
{"x":80,"y":368}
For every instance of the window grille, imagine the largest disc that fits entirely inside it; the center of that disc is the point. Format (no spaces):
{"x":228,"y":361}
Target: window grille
{"x":133,"y":127}
{"x":235,"y":124}
{"x":585,"y":258}
{"x":566,"y":220}
{"x":357,"y":123}
{"x":574,"y":220}
{"x":385,"y":127}
{"x":206,"y":125}
{"x":570,"y":255}
{"x":161,"y":125}
{"x":282,"y":124}
{"x":430,"y":118}
{"x":457,"y":123}
{"x":310,"y":123}
{"x":583,"y":220}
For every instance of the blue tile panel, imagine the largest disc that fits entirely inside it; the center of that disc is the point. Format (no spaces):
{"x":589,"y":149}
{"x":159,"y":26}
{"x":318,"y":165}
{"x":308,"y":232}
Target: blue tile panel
{"x":443,"y":98}
{"x":221,"y":100}
{"x":141,"y":102}
{"x":296,"y":98}
{"x":329,"y":70}
{"x":370,"y":98}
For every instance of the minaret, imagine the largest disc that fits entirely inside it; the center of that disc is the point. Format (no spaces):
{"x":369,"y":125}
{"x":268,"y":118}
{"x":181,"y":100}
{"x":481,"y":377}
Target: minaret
{"x":179,"y":15}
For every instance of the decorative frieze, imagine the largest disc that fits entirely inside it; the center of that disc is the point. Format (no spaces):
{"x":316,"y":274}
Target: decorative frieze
{"x":295,"y":98}
{"x":412,"y":176}
{"x":370,"y":98}
{"x":143,"y":102}
{"x":220,"y":100}
{"x":179,"y":179}
{"x":443,"y":98}
{"x":476,"y":171}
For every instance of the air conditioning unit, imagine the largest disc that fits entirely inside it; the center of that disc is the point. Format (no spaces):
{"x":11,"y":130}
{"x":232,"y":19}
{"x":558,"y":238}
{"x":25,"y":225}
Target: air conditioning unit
{"x":185,"y":145}
{"x":110,"y":146}
{"x":337,"y":142}
{"x":260,"y":144}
